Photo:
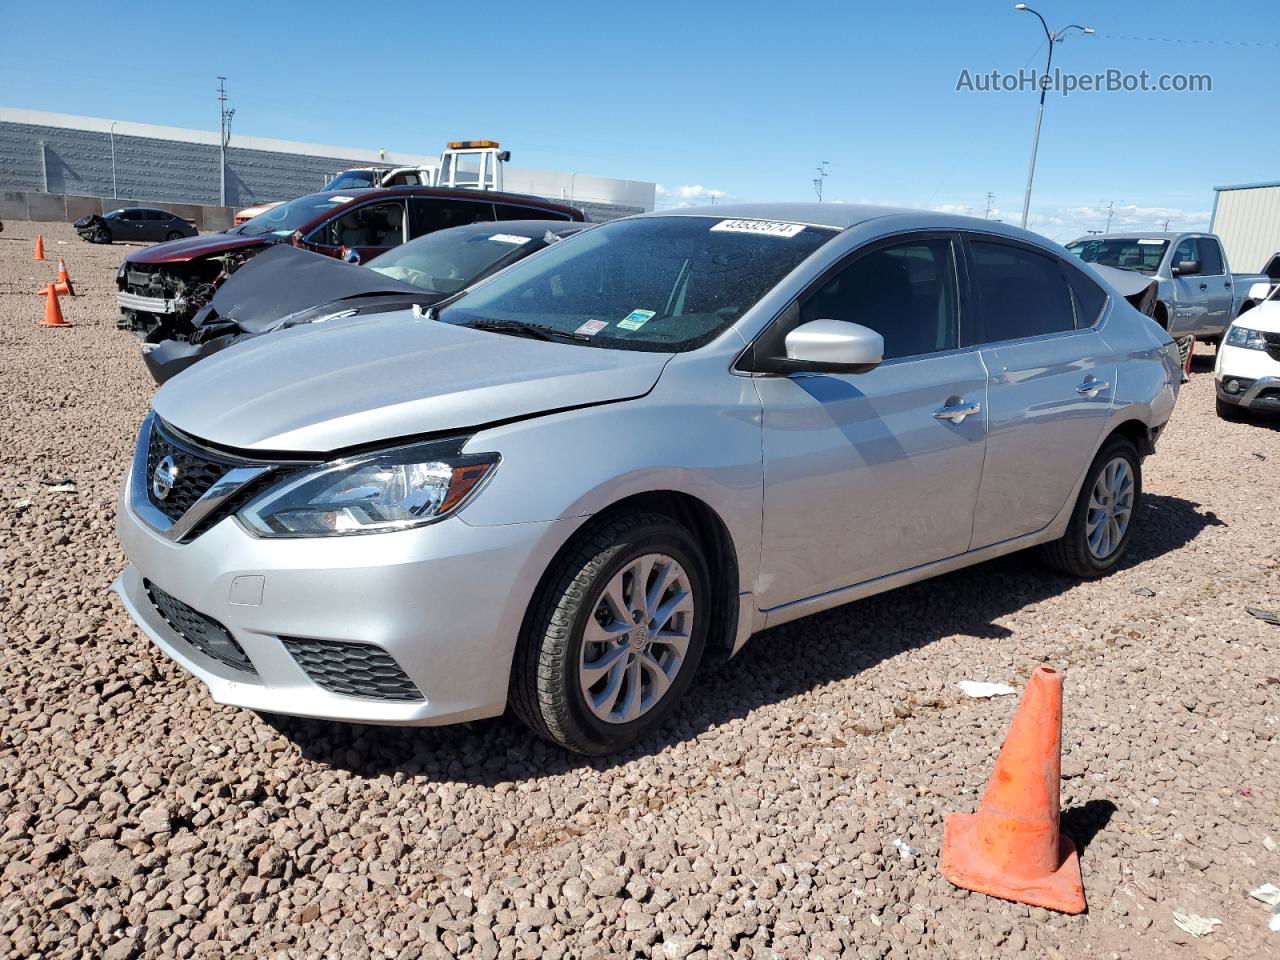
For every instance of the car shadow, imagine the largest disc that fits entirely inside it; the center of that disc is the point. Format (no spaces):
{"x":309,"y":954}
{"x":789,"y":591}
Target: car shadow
{"x":818,"y":650}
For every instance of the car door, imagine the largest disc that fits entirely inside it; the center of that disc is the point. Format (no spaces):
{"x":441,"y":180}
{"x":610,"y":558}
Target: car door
{"x":1191,"y":300}
{"x":152,"y":224}
{"x":869,"y":474}
{"x":1216,"y":284}
{"x":1050,"y":387}
{"x":130,"y":226}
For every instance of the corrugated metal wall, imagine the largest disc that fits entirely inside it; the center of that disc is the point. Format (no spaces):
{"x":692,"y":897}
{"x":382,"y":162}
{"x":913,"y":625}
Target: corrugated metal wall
{"x":1248,"y":221}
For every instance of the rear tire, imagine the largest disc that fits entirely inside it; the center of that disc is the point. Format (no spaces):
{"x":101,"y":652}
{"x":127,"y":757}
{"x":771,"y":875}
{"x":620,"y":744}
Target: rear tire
{"x":1227,"y":411}
{"x":592,"y":640}
{"x":174,"y":235}
{"x":1104,"y":514}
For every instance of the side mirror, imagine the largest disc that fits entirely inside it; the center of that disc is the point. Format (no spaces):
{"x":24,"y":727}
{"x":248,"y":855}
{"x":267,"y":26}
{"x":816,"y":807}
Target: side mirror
{"x":833,"y":346}
{"x":1186,"y":268}
{"x":350,"y":256}
{"x":1260,"y":290}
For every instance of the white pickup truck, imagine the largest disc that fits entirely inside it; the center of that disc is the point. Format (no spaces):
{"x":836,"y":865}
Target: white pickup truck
{"x":1198,"y":294}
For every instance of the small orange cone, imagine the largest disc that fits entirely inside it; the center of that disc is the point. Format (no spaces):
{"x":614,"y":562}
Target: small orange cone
{"x":1012,"y":848}
{"x":39,"y":247}
{"x":52,"y":309}
{"x":63,"y":284}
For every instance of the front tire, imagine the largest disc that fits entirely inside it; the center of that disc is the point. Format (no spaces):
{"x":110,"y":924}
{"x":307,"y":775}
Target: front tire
{"x":1102,"y":521}
{"x":613,"y":640}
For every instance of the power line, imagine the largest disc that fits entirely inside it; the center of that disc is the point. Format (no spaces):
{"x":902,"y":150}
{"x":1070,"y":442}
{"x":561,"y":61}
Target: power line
{"x":1223,"y":43}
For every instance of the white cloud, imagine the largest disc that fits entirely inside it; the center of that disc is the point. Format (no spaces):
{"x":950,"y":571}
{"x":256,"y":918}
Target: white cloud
{"x":1067,"y":223}
{"x":692,"y":195}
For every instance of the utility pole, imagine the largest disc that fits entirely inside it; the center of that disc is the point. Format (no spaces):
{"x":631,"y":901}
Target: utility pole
{"x":224,"y":120}
{"x":1166,"y":225}
{"x":1111,"y":210}
{"x":990,"y":197}
{"x":822,"y":175}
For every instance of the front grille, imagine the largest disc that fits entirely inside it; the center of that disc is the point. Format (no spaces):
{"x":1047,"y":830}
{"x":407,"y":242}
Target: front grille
{"x":1273,"y":345}
{"x":1185,"y":346}
{"x":196,"y":474}
{"x":354,"y":669}
{"x":204,"y":633}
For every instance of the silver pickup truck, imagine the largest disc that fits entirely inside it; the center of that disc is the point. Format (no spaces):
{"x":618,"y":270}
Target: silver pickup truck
{"x":1198,"y":295}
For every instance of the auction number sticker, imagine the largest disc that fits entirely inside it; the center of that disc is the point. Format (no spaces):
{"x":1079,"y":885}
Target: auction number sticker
{"x":509,"y":238}
{"x":591,"y":328}
{"x":1151,"y":242}
{"x":767,"y":228}
{"x":636,"y":319}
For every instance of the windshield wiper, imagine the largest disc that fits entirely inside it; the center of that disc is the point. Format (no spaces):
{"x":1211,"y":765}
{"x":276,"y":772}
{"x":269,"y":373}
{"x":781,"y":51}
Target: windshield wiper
{"x":532,"y":330}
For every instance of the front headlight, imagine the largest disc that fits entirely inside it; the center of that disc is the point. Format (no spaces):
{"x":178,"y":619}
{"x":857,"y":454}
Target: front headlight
{"x":1244,"y":337}
{"x":374,"y":493}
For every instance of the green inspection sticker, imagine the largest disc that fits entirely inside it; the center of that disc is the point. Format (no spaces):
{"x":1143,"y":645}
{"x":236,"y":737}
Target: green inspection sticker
{"x":636,"y":319}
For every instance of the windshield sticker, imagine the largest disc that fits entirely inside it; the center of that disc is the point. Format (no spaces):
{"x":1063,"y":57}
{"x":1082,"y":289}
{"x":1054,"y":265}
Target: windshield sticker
{"x":341,"y":199}
{"x":509,"y":238}
{"x":636,"y":319}
{"x":1151,"y":242}
{"x":591,"y":328}
{"x":768,"y":228}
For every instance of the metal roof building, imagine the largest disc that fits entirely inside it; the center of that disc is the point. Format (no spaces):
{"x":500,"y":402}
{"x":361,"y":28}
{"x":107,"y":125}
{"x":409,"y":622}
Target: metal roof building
{"x":1247,"y":218}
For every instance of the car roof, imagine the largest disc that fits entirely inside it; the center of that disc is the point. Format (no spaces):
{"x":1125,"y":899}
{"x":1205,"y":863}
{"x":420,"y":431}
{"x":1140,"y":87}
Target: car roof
{"x":1141,"y":235}
{"x":842,"y":216}
{"x":439,"y":193}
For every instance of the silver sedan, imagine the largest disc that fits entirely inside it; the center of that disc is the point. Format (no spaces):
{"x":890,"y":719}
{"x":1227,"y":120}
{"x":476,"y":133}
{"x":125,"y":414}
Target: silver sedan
{"x":621,"y":457}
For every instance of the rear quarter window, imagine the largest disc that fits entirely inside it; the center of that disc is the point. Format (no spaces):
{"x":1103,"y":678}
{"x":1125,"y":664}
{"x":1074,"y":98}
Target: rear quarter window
{"x":1087,"y":296}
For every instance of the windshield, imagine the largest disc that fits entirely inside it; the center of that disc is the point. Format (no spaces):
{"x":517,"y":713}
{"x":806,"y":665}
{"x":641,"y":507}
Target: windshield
{"x":444,"y":262}
{"x":350,"y":179}
{"x":664,"y":284}
{"x":1143,"y":256}
{"x":288,"y":217}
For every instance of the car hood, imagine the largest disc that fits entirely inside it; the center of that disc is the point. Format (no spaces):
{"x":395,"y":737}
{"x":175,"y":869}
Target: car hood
{"x":1264,"y":317}
{"x":286,"y":282}
{"x":190,"y":248}
{"x":327,"y":387}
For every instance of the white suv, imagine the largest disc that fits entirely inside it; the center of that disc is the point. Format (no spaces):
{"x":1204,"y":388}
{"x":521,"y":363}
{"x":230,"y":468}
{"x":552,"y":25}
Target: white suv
{"x":1247,"y":371}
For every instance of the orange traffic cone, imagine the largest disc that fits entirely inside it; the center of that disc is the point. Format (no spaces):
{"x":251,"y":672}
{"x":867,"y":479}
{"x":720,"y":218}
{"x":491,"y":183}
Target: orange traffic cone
{"x":63,"y":284}
{"x":1012,"y":848}
{"x":52,"y":309}
{"x":39,"y":247}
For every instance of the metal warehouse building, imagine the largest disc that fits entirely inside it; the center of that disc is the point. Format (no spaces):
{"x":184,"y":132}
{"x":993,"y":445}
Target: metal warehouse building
{"x":1247,"y":218}
{"x":55,"y":153}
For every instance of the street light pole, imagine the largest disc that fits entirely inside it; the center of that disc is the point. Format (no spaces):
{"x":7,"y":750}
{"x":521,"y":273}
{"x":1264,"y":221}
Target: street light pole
{"x":114,"y":194}
{"x":1044,"y":87}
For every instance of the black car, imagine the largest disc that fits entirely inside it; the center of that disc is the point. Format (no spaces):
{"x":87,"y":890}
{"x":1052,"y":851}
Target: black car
{"x":288,"y":287}
{"x":137,"y":224}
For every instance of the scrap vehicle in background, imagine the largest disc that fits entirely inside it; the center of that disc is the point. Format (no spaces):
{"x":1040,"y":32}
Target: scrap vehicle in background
{"x":1198,"y":294}
{"x":1246,"y":373}
{"x":469,"y":164}
{"x":164,"y":286}
{"x":286,"y":287}
{"x":569,"y":486}
{"x":136,"y":224}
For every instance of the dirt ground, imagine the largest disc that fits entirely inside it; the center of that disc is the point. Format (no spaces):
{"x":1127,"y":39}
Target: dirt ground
{"x":141,"y":819}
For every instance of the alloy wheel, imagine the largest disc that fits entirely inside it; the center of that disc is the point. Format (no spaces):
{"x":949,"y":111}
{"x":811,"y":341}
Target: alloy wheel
{"x":1110,"y":508}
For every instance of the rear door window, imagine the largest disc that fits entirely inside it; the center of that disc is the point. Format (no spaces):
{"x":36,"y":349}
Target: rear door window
{"x":1022,"y":293}
{"x":432,"y":214}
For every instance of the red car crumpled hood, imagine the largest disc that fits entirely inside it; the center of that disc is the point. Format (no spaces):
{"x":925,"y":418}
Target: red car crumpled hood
{"x":190,"y":248}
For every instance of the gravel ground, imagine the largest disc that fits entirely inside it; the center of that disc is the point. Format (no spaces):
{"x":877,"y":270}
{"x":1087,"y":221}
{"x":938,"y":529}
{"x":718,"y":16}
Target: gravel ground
{"x":139,"y":818}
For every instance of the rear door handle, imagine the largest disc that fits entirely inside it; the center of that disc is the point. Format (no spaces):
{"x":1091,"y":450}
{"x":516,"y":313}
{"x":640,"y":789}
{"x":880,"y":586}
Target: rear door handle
{"x":956,"y":412}
{"x":1092,"y":387}
{"x":1204,"y":286}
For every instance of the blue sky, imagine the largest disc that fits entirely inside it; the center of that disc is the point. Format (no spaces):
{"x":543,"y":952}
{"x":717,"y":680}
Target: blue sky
{"x":742,"y":98}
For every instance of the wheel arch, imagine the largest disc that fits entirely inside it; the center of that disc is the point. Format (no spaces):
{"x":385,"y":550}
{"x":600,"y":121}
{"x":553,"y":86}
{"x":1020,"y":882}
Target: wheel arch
{"x":712,"y":535}
{"x":1137,"y":432}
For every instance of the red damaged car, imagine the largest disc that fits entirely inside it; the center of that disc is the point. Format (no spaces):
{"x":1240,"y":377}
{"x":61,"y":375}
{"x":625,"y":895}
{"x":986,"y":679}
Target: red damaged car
{"x":162,"y":287}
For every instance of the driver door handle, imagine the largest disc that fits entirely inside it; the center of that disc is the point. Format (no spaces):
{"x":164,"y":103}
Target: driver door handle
{"x":1091,"y":387}
{"x":956,"y":412}
{"x":1204,"y":286}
